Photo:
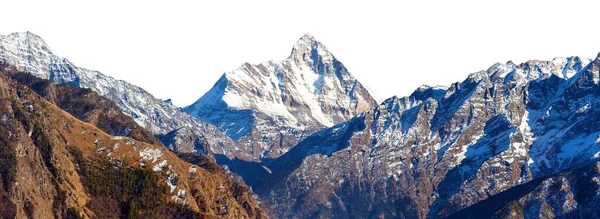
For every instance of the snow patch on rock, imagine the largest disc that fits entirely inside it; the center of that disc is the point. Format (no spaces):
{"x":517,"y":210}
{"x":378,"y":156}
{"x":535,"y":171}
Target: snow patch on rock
{"x":151,"y":154}
{"x":159,"y":166}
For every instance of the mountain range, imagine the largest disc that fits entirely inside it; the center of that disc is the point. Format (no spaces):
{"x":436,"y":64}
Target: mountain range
{"x":311,"y":141}
{"x":443,"y":149}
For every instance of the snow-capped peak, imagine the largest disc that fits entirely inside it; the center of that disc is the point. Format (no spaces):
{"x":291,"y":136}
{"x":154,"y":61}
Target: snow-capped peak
{"x":25,"y":38}
{"x":28,"y":52}
{"x":291,"y":98}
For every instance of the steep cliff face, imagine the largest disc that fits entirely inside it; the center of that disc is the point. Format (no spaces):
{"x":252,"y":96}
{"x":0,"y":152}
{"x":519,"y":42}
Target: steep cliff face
{"x":442,"y":149}
{"x":269,"y":107}
{"x":29,"y":53}
{"x":55,"y":165}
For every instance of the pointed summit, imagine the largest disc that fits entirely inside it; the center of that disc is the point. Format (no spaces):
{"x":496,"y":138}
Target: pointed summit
{"x":308,"y":50}
{"x":306,"y":39}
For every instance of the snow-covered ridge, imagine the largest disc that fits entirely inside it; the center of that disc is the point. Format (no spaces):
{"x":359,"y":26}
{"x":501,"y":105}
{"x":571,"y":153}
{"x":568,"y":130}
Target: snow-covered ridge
{"x":29,"y":53}
{"x":562,"y":67}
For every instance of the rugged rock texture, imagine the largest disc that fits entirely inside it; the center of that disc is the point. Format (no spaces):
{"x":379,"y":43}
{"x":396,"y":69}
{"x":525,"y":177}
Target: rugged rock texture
{"x":55,"y":165}
{"x":29,"y":53}
{"x":441,"y":149}
{"x":271,"y":106}
{"x":570,"y":194}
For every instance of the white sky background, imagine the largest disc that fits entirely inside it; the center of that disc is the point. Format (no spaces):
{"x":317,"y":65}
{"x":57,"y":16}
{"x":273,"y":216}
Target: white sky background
{"x":179,"y":49}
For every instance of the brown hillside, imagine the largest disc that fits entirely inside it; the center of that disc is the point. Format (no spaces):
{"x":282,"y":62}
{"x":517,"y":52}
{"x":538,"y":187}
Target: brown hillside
{"x":54,"y":165}
{"x":84,"y":104}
